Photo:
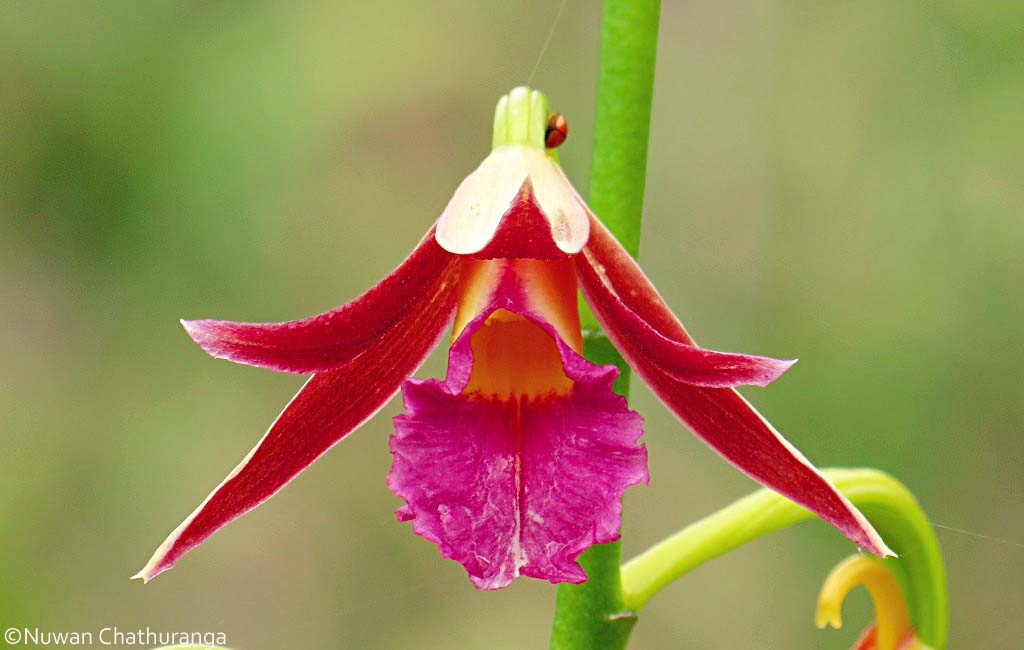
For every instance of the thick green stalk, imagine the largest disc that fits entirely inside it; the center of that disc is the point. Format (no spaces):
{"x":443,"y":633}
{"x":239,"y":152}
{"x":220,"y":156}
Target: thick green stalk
{"x":592,"y":614}
{"x":884,"y":500}
{"x":618,"y":171}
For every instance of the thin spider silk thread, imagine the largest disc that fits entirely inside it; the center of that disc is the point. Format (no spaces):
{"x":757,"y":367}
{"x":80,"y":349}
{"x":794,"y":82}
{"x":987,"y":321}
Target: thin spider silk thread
{"x":547,"y":41}
{"x":989,"y":538}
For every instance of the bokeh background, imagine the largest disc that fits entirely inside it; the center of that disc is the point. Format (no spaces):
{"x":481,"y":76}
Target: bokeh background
{"x":842,"y":182}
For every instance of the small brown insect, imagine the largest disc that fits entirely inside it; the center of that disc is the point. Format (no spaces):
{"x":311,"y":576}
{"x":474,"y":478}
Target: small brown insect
{"x":557,"y":131}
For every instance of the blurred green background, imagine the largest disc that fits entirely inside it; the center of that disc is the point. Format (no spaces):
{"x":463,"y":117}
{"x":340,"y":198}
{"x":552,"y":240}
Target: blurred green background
{"x":842,"y":182}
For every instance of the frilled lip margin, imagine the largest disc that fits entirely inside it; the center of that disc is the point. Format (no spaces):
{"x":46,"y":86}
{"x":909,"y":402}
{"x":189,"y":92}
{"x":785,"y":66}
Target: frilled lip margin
{"x":517,"y":485}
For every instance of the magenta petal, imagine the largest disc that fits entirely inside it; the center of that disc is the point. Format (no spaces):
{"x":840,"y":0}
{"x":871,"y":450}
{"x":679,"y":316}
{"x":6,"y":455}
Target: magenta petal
{"x":517,"y":487}
{"x":620,"y":293}
{"x":330,"y":406}
{"x":334,"y":338}
{"x":510,"y":488}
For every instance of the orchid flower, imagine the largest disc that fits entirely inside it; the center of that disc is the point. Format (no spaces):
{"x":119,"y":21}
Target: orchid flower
{"x":515,"y":462}
{"x":892,"y":629}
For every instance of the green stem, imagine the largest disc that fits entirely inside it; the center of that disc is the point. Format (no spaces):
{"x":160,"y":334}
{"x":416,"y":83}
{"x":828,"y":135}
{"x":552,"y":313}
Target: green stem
{"x":884,"y":500}
{"x":592,"y":614}
{"x":618,"y":171}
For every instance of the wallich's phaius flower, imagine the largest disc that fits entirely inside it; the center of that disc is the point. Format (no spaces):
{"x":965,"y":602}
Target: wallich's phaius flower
{"x":516,"y":462}
{"x":892,"y":628}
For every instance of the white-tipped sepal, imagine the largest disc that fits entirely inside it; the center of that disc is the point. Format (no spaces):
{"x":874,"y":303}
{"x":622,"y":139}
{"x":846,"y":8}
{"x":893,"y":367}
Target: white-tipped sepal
{"x":488,"y":194}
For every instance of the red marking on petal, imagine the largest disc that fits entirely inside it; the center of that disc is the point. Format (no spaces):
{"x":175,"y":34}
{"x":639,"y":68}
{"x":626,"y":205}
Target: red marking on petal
{"x":911,"y":642}
{"x":720,"y":416}
{"x":520,"y":486}
{"x":330,"y":406}
{"x":867,"y":639}
{"x":334,"y":338}
{"x":523,"y":231}
{"x":483,"y":200}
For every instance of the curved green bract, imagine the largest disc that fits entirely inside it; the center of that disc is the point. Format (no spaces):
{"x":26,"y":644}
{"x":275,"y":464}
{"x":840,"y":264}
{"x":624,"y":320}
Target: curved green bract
{"x":889,"y":505}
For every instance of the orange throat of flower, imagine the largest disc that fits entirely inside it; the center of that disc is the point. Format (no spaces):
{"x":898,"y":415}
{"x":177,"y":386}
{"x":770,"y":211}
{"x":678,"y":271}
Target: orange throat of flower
{"x":513,"y":356}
